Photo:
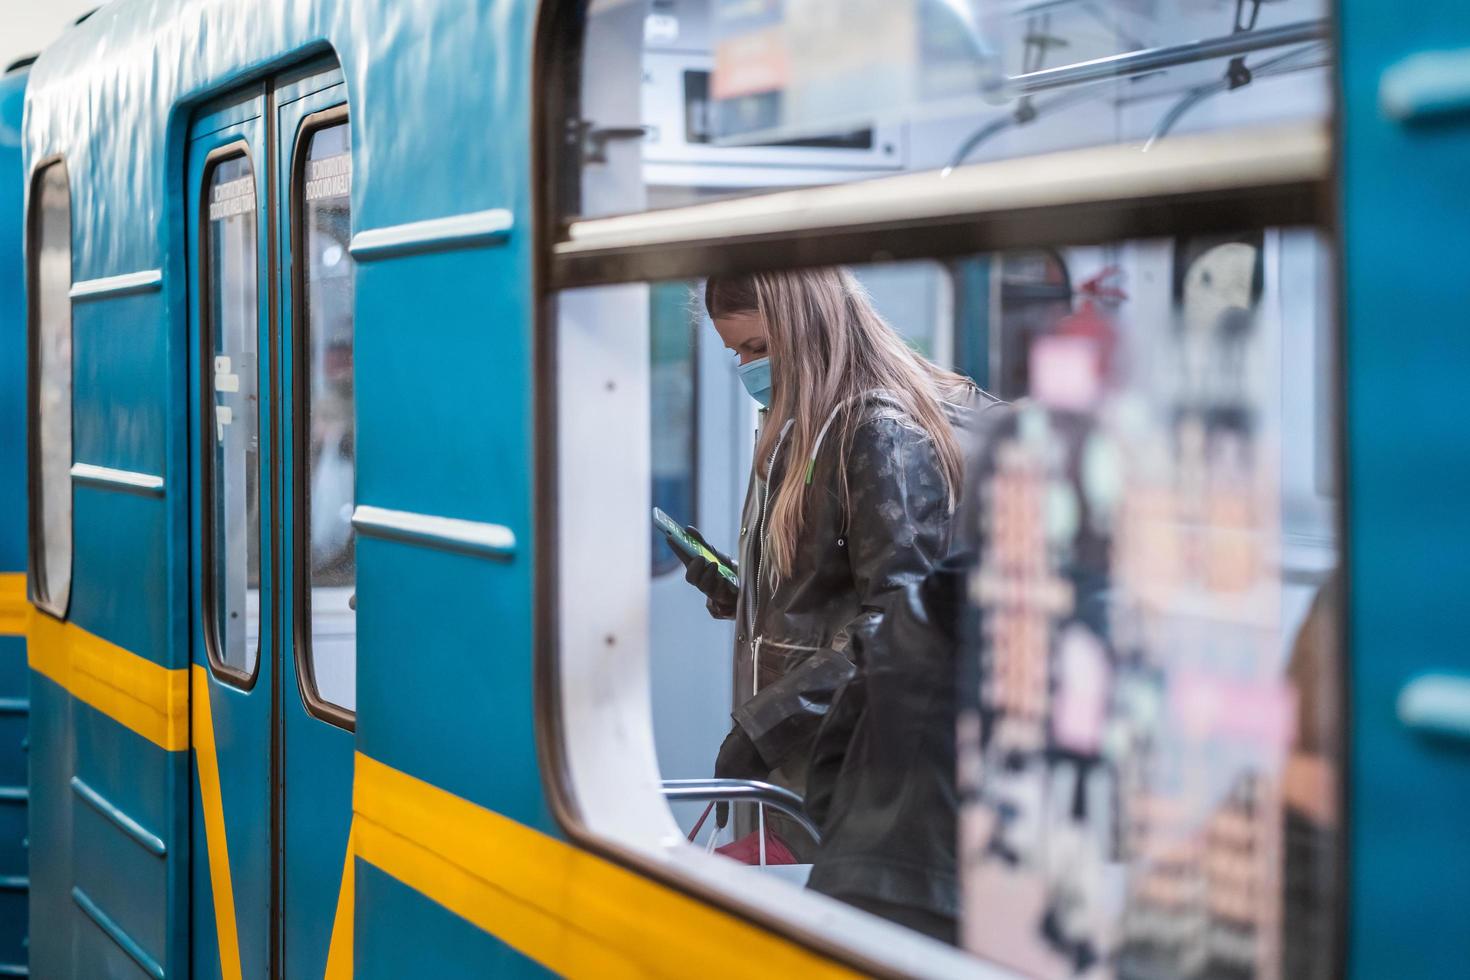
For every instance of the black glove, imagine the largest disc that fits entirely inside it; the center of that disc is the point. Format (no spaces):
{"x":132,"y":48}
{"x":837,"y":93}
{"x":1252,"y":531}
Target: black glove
{"x":738,"y":759}
{"x":705,"y":576}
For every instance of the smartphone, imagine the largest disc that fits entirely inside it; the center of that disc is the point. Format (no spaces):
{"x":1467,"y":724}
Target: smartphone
{"x":682,"y":541}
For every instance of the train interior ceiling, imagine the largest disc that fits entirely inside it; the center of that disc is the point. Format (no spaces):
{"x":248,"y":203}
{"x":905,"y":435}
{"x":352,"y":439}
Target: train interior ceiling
{"x":665,"y":130}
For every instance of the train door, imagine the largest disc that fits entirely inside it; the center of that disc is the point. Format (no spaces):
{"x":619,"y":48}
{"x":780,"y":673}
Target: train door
{"x":272,"y":470}
{"x":318,"y":609}
{"x":234,"y":552}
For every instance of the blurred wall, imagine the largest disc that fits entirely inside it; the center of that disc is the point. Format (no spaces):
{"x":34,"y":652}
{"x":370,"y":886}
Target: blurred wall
{"x":27,"y":26}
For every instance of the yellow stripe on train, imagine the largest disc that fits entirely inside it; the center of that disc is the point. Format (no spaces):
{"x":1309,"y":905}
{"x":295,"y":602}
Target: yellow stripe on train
{"x":577,"y":914}
{"x":572,"y":911}
{"x":216,"y":840}
{"x":15,"y":611}
{"x":139,"y":694}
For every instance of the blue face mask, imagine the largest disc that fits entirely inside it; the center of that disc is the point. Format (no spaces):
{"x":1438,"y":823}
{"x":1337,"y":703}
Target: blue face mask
{"x":756,"y":376}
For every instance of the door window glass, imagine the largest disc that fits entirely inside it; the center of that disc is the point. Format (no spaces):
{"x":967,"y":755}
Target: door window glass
{"x":673,"y":345}
{"x":329,"y":416}
{"x":51,"y":285}
{"x":233,"y":379}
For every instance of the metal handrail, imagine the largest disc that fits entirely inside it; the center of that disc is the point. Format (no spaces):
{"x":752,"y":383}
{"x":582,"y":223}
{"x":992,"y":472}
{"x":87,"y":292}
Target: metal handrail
{"x":742,"y":791}
{"x":1279,"y":65}
{"x":1011,"y":121}
{"x":1171,"y":56}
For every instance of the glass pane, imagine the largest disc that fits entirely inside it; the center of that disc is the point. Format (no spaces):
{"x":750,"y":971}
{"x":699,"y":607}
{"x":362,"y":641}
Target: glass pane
{"x":741,"y":97}
{"x":331,"y":419}
{"x":1145,"y":779}
{"x":235,"y":462}
{"x":916,"y":298}
{"x":1149,"y":748}
{"x":673,"y":342}
{"x":52,"y":257}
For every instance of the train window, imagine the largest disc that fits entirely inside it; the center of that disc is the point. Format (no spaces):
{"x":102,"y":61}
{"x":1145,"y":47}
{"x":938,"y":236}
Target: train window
{"x":1149,"y":711}
{"x":712,"y":98}
{"x":327,"y":460}
{"x":51,"y":386}
{"x":232,"y":377}
{"x":1145,"y":778}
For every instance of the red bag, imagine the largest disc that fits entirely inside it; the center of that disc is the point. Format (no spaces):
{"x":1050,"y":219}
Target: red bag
{"x":747,"y":850}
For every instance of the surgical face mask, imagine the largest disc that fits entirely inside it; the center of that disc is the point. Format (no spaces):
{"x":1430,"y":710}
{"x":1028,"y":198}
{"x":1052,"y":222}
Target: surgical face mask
{"x":756,"y":376}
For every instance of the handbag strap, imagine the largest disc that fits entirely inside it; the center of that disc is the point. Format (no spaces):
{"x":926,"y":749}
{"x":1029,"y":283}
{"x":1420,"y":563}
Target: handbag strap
{"x":698,"y":824}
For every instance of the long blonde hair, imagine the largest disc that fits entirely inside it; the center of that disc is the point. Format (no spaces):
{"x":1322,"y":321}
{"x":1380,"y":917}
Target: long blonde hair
{"x":829,"y":348}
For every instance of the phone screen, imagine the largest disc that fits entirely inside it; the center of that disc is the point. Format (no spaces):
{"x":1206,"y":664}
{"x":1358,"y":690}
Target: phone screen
{"x":682,"y":541}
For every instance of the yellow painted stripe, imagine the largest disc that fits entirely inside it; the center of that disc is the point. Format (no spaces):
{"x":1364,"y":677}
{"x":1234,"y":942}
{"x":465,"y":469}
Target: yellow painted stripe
{"x":544,"y":937}
{"x":575,"y":913}
{"x":339,"y":952}
{"x":15,"y":611}
{"x":150,"y":699}
{"x":214,"y":829}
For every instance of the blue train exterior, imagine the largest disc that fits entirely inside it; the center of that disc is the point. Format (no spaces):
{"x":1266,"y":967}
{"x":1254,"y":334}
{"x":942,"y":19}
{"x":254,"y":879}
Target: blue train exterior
{"x":439,"y":95}
{"x":424,"y":842}
{"x":151,"y":782}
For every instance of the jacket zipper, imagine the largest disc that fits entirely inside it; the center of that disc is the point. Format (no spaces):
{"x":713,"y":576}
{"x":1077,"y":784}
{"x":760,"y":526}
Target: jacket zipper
{"x":760,"y":565}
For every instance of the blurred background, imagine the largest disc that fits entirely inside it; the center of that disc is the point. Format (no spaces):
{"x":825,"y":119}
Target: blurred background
{"x":31,"y":24}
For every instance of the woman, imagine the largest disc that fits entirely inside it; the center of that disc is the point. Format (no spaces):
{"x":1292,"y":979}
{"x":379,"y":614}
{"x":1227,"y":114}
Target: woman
{"x":858,"y":472}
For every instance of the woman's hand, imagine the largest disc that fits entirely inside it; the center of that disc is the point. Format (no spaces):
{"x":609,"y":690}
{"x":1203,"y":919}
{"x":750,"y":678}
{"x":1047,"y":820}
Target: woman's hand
{"x":704,"y":575}
{"x":738,"y":759}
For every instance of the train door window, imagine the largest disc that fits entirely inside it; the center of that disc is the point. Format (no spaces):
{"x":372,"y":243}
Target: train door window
{"x":232,"y":375}
{"x":674,"y":347}
{"x":325,"y":292}
{"x":1035,"y":293}
{"x":51,"y":366}
{"x":917,"y":300}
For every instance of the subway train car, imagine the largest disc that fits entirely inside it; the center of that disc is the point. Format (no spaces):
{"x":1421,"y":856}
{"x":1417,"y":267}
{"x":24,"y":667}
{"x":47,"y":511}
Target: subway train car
{"x":353,"y":342}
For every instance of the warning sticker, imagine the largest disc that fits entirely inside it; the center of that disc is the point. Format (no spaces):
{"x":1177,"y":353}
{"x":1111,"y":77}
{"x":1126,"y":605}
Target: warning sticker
{"x":231,"y":198}
{"x":329,"y":177}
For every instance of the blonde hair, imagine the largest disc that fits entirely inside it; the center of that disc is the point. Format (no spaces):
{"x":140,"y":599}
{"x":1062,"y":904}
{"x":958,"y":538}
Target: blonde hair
{"x":829,"y":348}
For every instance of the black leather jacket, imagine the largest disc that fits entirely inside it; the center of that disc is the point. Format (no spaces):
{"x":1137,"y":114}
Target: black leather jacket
{"x":793,"y":641}
{"x":881,"y":780}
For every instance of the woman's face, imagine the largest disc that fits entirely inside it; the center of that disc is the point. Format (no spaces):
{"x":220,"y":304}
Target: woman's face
{"x":745,"y":334}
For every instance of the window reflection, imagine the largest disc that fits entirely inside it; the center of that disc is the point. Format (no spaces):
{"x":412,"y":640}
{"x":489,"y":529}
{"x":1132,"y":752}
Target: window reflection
{"x":234,"y":380}
{"x":330,"y":412}
{"x":51,"y":256}
{"x":1149,"y":749}
{"x":674,"y":342}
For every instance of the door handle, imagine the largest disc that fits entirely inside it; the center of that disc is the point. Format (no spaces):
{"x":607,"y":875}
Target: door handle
{"x":594,"y":138}
{"x":1437,"y":704}
{"x":1426,"y":85}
